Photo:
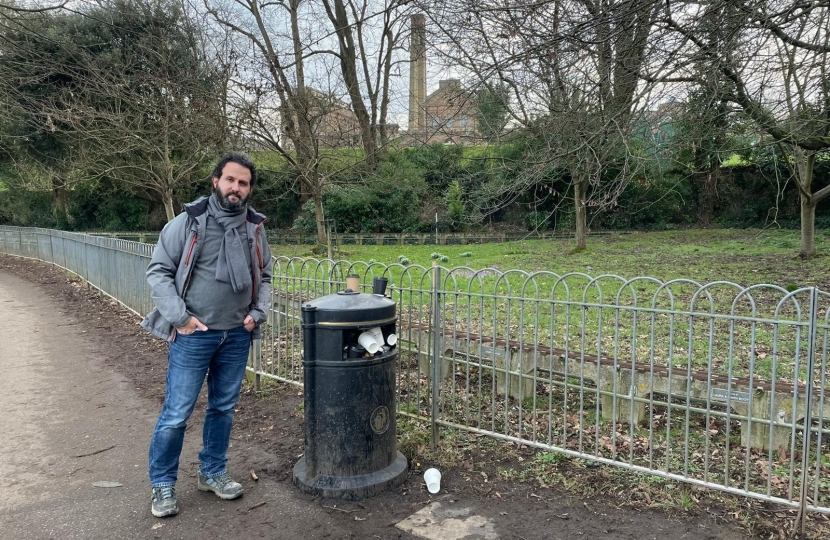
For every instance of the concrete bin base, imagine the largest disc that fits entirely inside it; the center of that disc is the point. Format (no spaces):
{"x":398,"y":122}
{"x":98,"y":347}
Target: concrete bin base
{"x":351,"y":488}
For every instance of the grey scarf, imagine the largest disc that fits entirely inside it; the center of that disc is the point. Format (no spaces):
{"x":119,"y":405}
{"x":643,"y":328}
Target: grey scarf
{"x":232,"y":266}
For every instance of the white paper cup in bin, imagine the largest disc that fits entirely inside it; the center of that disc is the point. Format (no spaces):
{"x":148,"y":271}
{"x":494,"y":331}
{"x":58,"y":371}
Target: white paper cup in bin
{"x":391,"y":339}
{"x":376,"y":331}
{"x":432,"y":477}
{"x":368,"y":341}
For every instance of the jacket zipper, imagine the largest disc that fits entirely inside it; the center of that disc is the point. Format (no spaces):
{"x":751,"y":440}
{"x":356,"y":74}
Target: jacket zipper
{"x":187,"y":262}
{"x":190,"y":251}
{"x":259,"y":256}
{"x":187,"y":281}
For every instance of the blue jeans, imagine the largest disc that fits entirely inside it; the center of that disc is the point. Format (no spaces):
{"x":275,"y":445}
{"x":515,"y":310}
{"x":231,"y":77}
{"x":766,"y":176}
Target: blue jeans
{"x":222,"y":355}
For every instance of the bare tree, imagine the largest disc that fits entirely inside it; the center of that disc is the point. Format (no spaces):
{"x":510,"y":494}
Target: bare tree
{"x":708,"y":125}
{"x":573,"y":70}
{"x":150,"y":117}
{"x":8,"y":9}
{"x":366,"y":59}
{"x":776,"y":72}
{"x":35,"y":67}
{"x":286,"y":97}
{"x":120,"y":91}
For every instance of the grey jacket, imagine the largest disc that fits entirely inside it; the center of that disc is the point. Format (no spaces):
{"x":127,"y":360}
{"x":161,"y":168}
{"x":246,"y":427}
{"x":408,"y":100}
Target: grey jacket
{"x":178,"y":248}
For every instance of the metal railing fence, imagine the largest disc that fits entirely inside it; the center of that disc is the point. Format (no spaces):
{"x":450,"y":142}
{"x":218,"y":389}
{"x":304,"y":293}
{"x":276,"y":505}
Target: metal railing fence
{"x":283,"y":237}
{"x":717,"y":384}
{"x":115,"y":267}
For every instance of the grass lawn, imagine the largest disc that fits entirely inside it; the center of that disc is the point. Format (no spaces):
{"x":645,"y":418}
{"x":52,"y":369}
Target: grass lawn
{"x":742,"y":256}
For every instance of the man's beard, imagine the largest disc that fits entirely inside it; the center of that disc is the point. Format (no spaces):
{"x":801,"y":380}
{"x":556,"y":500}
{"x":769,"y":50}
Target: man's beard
{"x":226,"y":204}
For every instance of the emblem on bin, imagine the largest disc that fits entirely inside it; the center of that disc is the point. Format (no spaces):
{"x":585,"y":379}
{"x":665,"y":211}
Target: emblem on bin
{"x":380,"y":420}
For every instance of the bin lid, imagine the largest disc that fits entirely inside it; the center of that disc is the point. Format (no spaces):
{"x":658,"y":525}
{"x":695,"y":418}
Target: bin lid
{"x":347,"y":309}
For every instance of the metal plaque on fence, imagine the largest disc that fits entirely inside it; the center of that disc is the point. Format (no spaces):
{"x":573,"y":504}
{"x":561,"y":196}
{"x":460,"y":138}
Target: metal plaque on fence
{"x":719,"y":394}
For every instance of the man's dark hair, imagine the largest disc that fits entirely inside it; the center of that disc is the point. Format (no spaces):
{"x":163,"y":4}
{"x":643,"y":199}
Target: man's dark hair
{"x":238,"y":158}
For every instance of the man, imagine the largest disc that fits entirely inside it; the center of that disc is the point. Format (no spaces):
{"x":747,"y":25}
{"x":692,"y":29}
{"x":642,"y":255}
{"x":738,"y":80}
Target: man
{"x":210,"y":277}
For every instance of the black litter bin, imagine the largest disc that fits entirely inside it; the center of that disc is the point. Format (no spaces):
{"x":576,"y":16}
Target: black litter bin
{"x":350,"y":447}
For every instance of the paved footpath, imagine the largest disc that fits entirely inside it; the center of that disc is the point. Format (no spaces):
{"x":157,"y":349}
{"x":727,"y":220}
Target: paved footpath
{"x":68,"y":420}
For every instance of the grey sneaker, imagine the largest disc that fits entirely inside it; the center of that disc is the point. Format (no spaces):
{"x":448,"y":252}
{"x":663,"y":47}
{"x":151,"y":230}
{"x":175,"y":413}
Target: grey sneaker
{"x":222,"y":485}
{"x":165,"y":502}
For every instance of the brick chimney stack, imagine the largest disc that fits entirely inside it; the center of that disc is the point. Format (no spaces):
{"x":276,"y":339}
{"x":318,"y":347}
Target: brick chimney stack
{"x":418,"y":74}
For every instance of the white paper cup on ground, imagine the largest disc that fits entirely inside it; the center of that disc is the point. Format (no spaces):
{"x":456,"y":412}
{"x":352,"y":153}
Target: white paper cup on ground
{"x":432,"y":477}
{"x":368,"y":341}
{"x":391,"y":339}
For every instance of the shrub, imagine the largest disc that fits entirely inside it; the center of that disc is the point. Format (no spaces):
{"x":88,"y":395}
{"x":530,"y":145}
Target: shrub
{"x":26,"y":208}
{"x":439,"y":164}
{"x":388,"y":202}
{"x":455,"y":205}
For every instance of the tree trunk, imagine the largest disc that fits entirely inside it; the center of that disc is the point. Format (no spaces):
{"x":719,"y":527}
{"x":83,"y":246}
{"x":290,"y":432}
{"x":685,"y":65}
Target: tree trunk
{"x":708,"y":185}
{"x":305,"y":194}
{"x":370,"y":144}
{"x":804,"y":167}
{"x":167,"y":199}
{"x":348,"y":68}
{"x":320,"y":217}
{"x":59,"y":199}
{"x":808,"y":227}
{"x":580,"y":195}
